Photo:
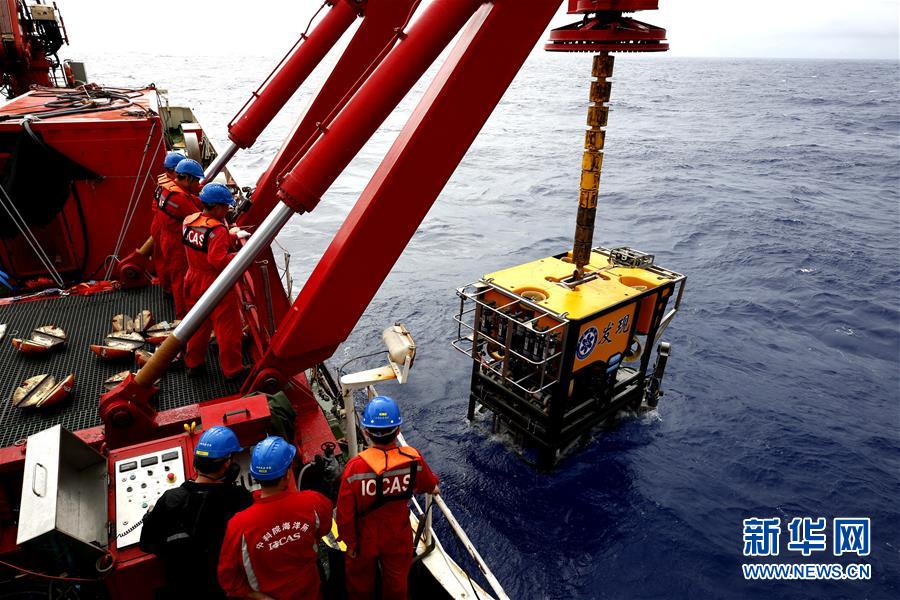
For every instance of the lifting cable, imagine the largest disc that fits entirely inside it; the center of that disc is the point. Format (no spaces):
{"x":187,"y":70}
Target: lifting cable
{"x":303,"y":35}
{"x":131,"y":209}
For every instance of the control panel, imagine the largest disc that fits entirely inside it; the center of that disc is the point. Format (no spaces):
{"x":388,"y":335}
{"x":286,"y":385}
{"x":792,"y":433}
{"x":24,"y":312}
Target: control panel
{"x":140,"y":481}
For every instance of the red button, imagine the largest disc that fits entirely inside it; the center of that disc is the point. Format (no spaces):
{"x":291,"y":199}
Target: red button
{"x":170,"y":477}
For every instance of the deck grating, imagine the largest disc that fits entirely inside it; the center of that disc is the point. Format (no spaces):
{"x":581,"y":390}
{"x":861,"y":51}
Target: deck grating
{"x":87,"y":319}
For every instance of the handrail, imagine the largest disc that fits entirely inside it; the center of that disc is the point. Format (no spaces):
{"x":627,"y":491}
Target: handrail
{"x":461,"y":534}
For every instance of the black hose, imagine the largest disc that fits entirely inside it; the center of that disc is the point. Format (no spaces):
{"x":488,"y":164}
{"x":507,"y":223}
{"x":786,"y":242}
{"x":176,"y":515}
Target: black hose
{"x":84,"y":231}
{"x":80,"y":102}
{"x":355,"y":358}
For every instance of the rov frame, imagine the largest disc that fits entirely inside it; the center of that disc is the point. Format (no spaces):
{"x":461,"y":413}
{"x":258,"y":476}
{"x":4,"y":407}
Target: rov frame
{"x":526,"y":373}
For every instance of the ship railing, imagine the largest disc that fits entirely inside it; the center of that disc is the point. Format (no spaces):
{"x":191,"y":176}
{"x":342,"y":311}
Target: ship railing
{"x":430,"y":539}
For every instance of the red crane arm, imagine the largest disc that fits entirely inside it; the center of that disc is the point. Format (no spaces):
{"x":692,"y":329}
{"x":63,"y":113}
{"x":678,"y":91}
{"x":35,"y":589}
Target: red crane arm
{"x":463,"y":95}
{"x":375,"y":35}
{"x":303,"y":186}
{"x":377,"y":32}
{"x":459,"y":101}
{"x":287,"y":77}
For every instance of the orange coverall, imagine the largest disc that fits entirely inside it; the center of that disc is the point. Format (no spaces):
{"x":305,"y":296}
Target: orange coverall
{"x":378,"y":530}
{"x":207,"y":247}
{"x":174,"y":204}
{"x":155,"y":225}
{"x":271,"y":547}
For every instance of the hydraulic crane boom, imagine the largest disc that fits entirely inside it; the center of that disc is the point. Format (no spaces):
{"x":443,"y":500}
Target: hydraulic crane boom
{"x":280,"y":85}
{"x":377,"y":32}
{"x":379,"y":22}
{"x":376,"y":35}
{"x":489,"y":53}
{"x":403,"y":189}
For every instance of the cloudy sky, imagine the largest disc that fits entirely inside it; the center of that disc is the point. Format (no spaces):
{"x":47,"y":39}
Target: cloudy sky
{"x":708,"y":28}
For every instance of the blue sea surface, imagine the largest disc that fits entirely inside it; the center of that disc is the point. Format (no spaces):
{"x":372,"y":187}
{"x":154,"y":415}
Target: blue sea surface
{"x":774,"y":186}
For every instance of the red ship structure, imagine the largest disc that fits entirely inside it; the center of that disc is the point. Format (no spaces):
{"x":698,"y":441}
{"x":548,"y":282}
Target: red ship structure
{"x":78,"y":167}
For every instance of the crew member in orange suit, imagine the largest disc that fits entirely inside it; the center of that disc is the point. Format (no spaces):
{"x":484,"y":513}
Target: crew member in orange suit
{"x":373,"y":512}
{"x":270,"y":549}
{"x":167,"y":176}
{"x":207,"y":243}
{"x":177,"y":200}
{"x":171,"y":161}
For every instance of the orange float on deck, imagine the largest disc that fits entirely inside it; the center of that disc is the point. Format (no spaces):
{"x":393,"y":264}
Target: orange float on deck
{"x":42,"y":390}
{"x":43,"y":339}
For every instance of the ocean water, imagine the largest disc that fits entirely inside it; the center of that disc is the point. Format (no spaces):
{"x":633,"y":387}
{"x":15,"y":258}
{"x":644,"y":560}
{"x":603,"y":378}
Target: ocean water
{"x":774,"y":186}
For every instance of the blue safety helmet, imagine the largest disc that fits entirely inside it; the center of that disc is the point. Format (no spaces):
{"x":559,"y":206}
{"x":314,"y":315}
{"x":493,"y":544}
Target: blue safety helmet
{"x":381,"y":413}
{"x":271,"y":458}
{"x":191,"y":167}
{"x":216,"y":193}
{"x":172,"y":159}
{"x":217,"y":442}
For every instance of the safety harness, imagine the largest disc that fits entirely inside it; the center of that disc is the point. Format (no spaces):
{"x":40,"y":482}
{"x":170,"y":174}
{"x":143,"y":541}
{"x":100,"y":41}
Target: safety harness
{"x":391,"y":462}
{"x":197,"y":230}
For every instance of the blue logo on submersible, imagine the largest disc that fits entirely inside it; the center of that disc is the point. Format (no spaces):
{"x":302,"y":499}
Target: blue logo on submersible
{"x":586,"y":343}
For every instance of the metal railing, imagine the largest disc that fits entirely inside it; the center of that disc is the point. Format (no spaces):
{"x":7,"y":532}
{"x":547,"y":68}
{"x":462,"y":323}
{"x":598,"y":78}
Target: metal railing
{"x":539,"y":369}
{"x":435,"y":500}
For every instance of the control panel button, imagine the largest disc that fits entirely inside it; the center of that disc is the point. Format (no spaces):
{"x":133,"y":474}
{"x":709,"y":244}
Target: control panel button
{"x":142,"y":483}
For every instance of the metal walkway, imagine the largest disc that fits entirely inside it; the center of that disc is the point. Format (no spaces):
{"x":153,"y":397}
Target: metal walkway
{"x":87,"y":319}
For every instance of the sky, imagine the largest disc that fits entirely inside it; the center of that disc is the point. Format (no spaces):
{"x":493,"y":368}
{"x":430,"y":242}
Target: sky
{"x":702,"y":28}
